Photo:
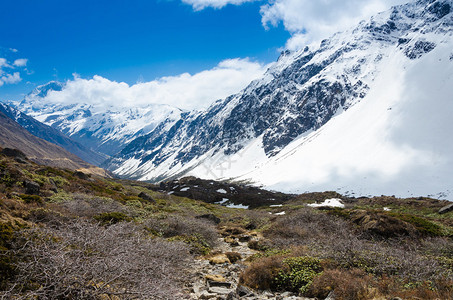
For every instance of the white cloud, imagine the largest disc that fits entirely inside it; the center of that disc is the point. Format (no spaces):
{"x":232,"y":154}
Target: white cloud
{"x":310,"y":21}
{"x":202,"y":4}
{"x":21,"y":62}
{"x":10,"y":78}
{"x":185,"y":91}
{"x":4,"y":63}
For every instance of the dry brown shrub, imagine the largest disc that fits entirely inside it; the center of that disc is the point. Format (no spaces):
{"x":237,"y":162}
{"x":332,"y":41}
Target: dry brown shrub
{"x":262,"y":273}
{"x":346,"y":285}
{"x":233,"y":256}
{"x":81,"y":260}
{"x":428,"y":290}
{"x":81,"y":205}
{"x":183,"y":226}
{"x":305,"y":226}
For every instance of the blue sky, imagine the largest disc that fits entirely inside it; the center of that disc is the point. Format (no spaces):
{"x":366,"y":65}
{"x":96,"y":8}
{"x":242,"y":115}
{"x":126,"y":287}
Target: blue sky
{"x":148,"y":40}
{"x":128,"y":40}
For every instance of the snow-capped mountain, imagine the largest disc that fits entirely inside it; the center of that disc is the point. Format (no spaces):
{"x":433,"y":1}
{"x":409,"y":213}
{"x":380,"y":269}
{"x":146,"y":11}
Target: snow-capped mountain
{"x":105,"y":130}
{"x":369,"y":110}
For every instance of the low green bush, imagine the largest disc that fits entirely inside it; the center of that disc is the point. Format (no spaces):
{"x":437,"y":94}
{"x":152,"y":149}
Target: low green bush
{"x":112,"y":218}
{"x":422,"y":225}
{"x":31,"y":198}
{"x":298,"y":273}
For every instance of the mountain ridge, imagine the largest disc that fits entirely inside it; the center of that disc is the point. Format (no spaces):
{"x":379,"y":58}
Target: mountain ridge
{"x":103,"y":129}
{"x":295,"y":99}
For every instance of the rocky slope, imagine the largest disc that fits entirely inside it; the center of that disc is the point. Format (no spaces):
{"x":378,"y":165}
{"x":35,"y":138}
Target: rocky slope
{"x":52,"y":135}
{"x":103,"y":129}
{"x":366,"y":111}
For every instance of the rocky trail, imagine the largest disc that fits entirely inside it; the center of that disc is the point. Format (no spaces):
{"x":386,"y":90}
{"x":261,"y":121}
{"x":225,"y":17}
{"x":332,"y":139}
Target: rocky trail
{"x":217,"y":276}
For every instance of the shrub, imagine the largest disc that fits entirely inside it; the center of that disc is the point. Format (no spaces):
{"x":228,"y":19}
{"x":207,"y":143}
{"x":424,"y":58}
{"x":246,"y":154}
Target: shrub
{"x":422,"y":225}
{"x":112,"y":218}
{"x":6,"y":259}
{"x":259,"y":245}
{"x":297,"y":273}
{"x":172,"y":226}
{"x":233,"y":256}
{"x":31,"y":198}
{"x":49,"y":217}
{"x":261,"y":273}
{"x":82,"y":260}
{"x":86,"y":206}
{"x":346,"y":284}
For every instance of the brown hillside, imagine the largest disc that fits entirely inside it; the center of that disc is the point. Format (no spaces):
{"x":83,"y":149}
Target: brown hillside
{"x":12,"y":135}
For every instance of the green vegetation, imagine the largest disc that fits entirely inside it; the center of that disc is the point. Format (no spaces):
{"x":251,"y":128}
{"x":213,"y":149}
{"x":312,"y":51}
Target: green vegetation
{"x":422,"y":225}
{"x":298,"y":273}
{"x":109,"y":218}
{"x":31,"y":198}
{"x":65,"y":242}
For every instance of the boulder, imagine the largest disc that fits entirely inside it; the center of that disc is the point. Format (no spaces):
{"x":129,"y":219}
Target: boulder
{"x":446,"y":209}
{"x":215,"y":277}
{"x":219,"y":259}
{"x":31,"y":187}
{"x":146,"y":197}
{"x":81,"y":175}
{"x":243,"y":291}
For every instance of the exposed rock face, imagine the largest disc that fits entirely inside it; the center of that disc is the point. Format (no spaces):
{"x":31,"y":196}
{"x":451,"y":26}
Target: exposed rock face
{"x":224,"y":193}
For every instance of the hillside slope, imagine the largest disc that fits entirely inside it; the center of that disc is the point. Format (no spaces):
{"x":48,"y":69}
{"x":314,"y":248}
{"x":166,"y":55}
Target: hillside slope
{"x":52,"y":135}
{"x":12,"y":135}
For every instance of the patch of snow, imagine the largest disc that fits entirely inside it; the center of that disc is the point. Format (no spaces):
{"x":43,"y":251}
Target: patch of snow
{"x":222,"y":191}
{"x":387,"y":209}
{"x":280,"y":213}
{"x":334,"y":202}
{"x":223,"y":201}
{"x":276,"y":205}
{"x":237,"y":206}
{"x":185,"y":189}
{"x":169,"y":193}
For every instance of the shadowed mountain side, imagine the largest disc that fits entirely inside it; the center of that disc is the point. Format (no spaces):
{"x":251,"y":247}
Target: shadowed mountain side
{"x":12,"y":135}
{"x":52,"y":135}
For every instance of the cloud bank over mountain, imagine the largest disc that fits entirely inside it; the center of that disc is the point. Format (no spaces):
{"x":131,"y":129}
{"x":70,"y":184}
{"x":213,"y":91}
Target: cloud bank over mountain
{"x":185,"y":91}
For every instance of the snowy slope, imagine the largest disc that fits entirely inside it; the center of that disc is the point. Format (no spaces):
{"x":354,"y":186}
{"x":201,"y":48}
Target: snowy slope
{"x":367,"y":112}
{"x":105,"y":130}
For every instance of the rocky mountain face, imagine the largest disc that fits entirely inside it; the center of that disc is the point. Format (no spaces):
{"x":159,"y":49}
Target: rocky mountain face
{"x":104,"y":130}
{"x":279,"y":130}
{"x":52,"y":135}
